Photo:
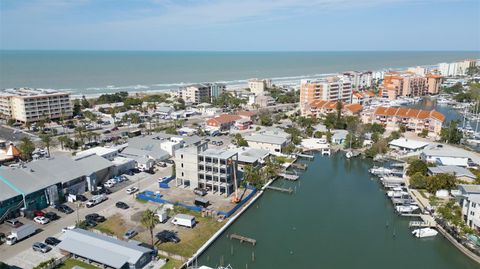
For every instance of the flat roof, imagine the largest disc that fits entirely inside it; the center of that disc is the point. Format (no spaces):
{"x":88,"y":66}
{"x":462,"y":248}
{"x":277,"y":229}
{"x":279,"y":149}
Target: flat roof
{"x":469,"y":188}
{"x":453,"y":170}
{"x":7,"y":191}
{"x":250,"y":155}
{"x":265,"y":138}
{"x":218,"y":153}
{"x":100,"y":151}
{"x":102,"y":248}
{"x":408,"y":143}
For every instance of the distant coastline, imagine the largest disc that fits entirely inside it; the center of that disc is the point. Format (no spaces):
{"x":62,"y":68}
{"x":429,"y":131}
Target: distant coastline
{"x":92,"y":73}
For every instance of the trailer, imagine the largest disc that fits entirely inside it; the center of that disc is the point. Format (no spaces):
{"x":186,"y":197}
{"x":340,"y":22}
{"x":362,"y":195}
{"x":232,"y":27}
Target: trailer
{"x":20,"y":233}
{"x":162,"y":215}
{"x":184,"y":220}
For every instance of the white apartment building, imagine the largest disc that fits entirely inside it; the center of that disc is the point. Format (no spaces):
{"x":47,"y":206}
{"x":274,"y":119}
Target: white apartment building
{"x":470,"y":203}
{"x":258,"y":86}
{"x":359,"y":80}
{"x":200,"y":93}
{"x":456,"y":68}
{"x":30,"y":105}
{"x":211,"y":169}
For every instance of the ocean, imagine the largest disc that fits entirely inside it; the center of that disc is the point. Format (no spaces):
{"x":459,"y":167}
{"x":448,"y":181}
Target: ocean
{"x":95,"y":72}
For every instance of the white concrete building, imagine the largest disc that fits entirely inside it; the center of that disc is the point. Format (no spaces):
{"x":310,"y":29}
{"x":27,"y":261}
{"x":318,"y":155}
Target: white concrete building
{"x":359,"y":79}
{"x":457,"y":68}
{"x":199,"y":93}
{"x":30,"y":105}
{"x":107,"y":153}
{"x":258,"y":86}
{"x":470,"y":203}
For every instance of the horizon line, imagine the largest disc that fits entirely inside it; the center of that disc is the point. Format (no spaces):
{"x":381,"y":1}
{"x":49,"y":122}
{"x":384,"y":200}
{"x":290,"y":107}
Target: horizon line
{"x":250,"y":51}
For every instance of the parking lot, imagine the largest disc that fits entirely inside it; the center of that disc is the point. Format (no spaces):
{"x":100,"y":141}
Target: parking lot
{"x":12,"y":254}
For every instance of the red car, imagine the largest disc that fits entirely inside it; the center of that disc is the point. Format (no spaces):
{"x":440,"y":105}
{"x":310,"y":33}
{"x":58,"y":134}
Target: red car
{"x":38,"y":213}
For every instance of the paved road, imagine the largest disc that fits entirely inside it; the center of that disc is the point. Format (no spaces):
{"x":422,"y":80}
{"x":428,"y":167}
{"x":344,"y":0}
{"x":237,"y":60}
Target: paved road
{"x":8,"y":253}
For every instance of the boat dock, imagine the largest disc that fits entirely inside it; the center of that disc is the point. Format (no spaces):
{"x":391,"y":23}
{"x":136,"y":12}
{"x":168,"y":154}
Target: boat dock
{"x":289,"y":190}
{"x":307,"y":156}
{"x":300,"y":166}
{"x":243,"y":239}
{"x":427,"y":221}
{"x":288,"y":176}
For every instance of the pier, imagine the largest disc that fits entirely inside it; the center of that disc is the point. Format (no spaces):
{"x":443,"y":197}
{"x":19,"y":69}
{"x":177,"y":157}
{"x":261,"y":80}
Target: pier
{"x":300,"y":166}
{"x":307,"y":156}
{"x":288,"y":176}
{"x":243,"y":239}
{"x":289,"y":190}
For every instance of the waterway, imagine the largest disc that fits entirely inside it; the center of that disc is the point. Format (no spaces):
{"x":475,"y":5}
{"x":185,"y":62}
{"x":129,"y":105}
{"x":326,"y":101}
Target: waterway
{"x":338,"y":217}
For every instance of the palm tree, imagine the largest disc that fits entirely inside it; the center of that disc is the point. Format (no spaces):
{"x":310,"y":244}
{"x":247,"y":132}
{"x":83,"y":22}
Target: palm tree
{"x":63,"y":140}
{"x":46,"y":142}
{"x":149,"y":221}
{"x":26,"y":148}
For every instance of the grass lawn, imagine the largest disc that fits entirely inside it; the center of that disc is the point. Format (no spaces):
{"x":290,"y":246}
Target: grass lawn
{"x":171,"y":264}
{"x":114,"y":225}
{"x":192,"y":239}
{"x":72,"y":262}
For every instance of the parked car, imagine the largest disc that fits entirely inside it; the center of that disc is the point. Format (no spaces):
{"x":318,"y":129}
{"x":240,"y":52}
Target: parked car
{"x":95,"y":217}
{"x":81,"y":198}
{"x":71,"y":227}
{"x":200,"y":191}
{"x":167,"y":236}
{"x":41,"y":247}
{"x":13,"y":223}
{"x":169,"y":161}
{"x":129,"y":234}
{"x":38,"y":213}
{"x":51,"y":216}
{"x":162,"y":164}
{"x":132,"y":190}
{"x":65,"y":209}
{"x":121,"y":205}
{"x":52,"y":241}
{"x":41,"y":220}
{"x":89,"y":223}
{"x":135,"y":170}
{"x":109,"y":184}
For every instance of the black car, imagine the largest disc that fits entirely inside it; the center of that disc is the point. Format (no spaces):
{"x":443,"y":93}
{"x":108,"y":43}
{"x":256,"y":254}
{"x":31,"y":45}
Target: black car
{"x":51,"y":216}
{"x":135,"y":170}
{"x":121,"y":205}
{"x":89,"y":223}
{"x":52,"y":241}
{"x":65,"y":209}
{"x":170,"y":161}
{"x":81,"y":198}
{"x":101,"y":191}
{"x":167,"y":236}
{"x":95,"y":217}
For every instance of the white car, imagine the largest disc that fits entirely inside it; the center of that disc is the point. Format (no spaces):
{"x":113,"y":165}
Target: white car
{"x":41,"y":220}
{"x":132,"y":190}
{"x":71,"y":227}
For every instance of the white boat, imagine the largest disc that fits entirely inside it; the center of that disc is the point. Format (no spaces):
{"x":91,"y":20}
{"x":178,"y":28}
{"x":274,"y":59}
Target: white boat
{"x":349,"y":154}
{"x":405,"y":209}
{"x":326,"y":152}
{"x":380,"y":171}
{"x":397,"y":194}
{"x":424,"y":232}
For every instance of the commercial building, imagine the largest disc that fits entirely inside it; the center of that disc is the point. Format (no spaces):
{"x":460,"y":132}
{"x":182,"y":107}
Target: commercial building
{"x":199,"y":93}
{"x":407,"y":145}
{"x":210,"y":169}
{"x":258,"y":86}
{"x":105,"y":250}
{"x":328,"y":89}
{"x":273,"y":140}
{"x":39,"y":184}
{"x":104,"y":152}
{"x":31,"y":105}
{"x":413,"y":119}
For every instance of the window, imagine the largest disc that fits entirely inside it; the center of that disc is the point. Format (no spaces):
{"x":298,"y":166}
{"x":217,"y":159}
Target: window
{"x":183,"y":174}
{"x":182,"y":165}
{"x":181,"y":156}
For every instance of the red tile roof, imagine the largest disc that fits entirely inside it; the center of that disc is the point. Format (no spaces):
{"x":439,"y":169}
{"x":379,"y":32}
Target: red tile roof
{"x":405,"y":112}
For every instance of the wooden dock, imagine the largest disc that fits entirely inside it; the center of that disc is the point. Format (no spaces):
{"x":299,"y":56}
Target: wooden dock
{"x":289,"y":190}
{"x":243,"y":239}
{"x":299,"y":166}
{"x":288,"y":176}
{"x":307,"y":156}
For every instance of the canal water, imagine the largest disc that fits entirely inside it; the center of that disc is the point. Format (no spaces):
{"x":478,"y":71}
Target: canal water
{"x":338,"y":218}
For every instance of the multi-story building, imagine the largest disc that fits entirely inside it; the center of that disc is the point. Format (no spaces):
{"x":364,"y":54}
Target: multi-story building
{"x":320,"y":107}
{"x":200,"y":93}
{"x":409,"y":84}
{"x":211,"y":169}
{"x":413,"y":119}
{"x":328,"y":89}
{"x":30,"y":105}
{"x":258,"y":86}
{"x":359,"y":80}
{"x":470,"y":203}
{"x":456,"y":68}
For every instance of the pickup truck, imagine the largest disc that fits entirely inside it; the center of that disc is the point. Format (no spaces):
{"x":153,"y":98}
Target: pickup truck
{"x":95,"y":200}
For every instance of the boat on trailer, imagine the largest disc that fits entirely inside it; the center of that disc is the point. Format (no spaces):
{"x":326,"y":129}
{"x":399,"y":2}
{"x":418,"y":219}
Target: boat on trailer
{"x":424,"y":232}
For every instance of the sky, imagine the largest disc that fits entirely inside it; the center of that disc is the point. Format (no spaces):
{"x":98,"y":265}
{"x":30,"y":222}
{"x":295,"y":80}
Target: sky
{"x":240,"y":25}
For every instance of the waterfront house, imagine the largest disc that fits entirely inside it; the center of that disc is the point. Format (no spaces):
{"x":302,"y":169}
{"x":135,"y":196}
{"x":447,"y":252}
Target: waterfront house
{"x":461,"y":173}
{"x":407,"y":145}
{"x":449,"y":155}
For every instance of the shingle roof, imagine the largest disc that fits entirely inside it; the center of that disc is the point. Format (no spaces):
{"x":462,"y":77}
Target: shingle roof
{"x":452,"y":170}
